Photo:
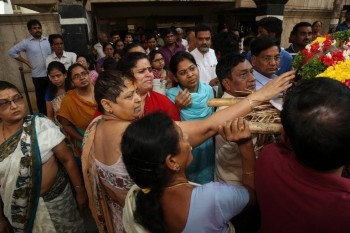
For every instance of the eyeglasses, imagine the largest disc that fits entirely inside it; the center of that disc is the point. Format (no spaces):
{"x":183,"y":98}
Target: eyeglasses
{"x":185,"y":72}
{"x":78,"y":76}
{"x":143,"y":70}
{"x":5,"y":104}
{"x":269,"y":59}
{"x":158,"y":60}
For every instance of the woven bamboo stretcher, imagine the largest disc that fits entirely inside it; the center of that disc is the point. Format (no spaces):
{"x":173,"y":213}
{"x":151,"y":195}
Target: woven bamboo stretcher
{"x":264,"y":119}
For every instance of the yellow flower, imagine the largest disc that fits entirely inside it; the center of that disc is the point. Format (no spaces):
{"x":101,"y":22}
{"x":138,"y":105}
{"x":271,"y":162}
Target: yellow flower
{"x":339,"y":72}
{"x":319,"y":40}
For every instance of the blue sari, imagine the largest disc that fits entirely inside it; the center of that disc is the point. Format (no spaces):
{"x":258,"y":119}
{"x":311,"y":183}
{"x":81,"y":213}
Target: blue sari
{"x":201,"y":169}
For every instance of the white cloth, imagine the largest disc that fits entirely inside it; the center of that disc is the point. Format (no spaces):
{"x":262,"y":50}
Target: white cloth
{"x":99,"y":50}
{"x":67,"y":59}
{"x":206,"y":65}
{"x":48,"y":136}
{"x":184,"y":42}
{"x":261,"y":80}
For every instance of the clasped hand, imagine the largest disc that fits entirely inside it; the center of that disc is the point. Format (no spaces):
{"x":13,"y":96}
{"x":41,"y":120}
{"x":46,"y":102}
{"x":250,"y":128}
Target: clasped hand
{"x":183,"y":99}
{"x":236,"y":130}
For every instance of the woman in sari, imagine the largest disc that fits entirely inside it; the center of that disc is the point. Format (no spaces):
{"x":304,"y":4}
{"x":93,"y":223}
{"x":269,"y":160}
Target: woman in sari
{"x":36,"y":170}
{"x":105,"y":176}
{"x":78,"y":106}
{"x":156,"y":153}
{"x":191,"y":97}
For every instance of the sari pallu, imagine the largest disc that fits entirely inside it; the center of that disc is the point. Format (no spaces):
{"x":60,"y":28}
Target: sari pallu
{"x":20,"y":180}
{"x":106,"y":211}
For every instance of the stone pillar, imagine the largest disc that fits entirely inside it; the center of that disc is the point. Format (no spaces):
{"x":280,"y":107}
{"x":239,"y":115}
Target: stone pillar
{"x":266,"y":8}
{"x":336,"y":15}
{"x":74,"y":26}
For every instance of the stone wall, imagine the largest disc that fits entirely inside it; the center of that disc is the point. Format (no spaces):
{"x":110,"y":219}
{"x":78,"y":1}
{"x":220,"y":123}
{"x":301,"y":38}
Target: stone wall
{"x":13,"y":29}
{"x":299,"y":10}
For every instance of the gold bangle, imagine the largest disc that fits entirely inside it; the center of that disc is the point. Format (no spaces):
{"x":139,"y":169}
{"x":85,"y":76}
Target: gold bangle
{"x":250,"y":103}
{"x":248,"y":173}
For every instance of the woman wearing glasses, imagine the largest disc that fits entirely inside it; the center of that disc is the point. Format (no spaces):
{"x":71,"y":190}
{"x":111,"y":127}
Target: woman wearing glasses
{"x":191,"y":97}
{"x":35,"y":160}
{"x":78,"y":106}
{"x":163,"y":79}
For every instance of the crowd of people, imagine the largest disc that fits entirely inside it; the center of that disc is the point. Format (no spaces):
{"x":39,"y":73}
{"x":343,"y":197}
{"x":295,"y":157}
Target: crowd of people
{"x":129,"y":133}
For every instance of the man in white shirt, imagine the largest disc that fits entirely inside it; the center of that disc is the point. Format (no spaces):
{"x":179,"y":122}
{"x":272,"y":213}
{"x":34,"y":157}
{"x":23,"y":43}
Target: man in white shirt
{"x":57,"y":45}
{"x":102,"y":39}
{"x":204,"y":55}
{"x":265,"y":59}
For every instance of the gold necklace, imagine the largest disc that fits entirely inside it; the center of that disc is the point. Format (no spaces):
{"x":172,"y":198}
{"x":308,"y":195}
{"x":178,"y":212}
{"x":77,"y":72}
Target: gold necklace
{"x":176,"y":185}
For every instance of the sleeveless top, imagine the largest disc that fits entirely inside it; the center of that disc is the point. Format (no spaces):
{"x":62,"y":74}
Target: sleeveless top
{"x":117,"y":176}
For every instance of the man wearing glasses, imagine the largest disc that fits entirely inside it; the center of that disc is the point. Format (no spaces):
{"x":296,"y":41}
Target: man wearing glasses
{"x":265,"y":59}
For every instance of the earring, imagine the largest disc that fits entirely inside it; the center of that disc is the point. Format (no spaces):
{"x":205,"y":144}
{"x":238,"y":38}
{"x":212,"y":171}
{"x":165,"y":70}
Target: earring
{"x":177,"y":168}
{"x":110,"y":111}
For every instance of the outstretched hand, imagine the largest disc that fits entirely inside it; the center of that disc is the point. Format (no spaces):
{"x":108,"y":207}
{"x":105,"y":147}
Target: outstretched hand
{"x":274,"y":87}
{"x":236,"y":131}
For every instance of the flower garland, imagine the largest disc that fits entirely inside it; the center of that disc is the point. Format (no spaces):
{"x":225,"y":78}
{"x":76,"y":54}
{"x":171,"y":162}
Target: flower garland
{"x":326,"y":56}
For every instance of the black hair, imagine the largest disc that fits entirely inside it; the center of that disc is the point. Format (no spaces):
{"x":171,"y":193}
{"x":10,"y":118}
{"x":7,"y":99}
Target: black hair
{"x":114,"y":32}
{"x":129,"y":61}
{"x":4,"y":85}
{"x":153,"y":54}
{"x":315,"y":117}
{"x":226,"y":64}
{"x":167,"y":31}
{"x":105,"y":45}
{"x":129,"y":46}
{"x":150,"y":36}
{"x":202,"y":28}
{"x":262,"y":43}
{"x":70,"y":69}
{"x":299,"y":25}
{"x":248,"y":40}
{"x":225,"y":43}
{"x":33,"y":22}
{"x":272,"y":25}
{"x":54,"y":36}
{"x":52,"y":89}
{"x":313,"y":24}
{"x":179,"y":57}
{"x":221,"y":27}
{"x":145,"y":145}
{"x":109,"y":63}
{"x":109,"y":85}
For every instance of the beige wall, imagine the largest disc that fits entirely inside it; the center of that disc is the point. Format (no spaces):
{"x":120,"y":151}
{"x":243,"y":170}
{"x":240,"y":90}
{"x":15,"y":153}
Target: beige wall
{"x":299,"y":10}
{"x":13,"y":29}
